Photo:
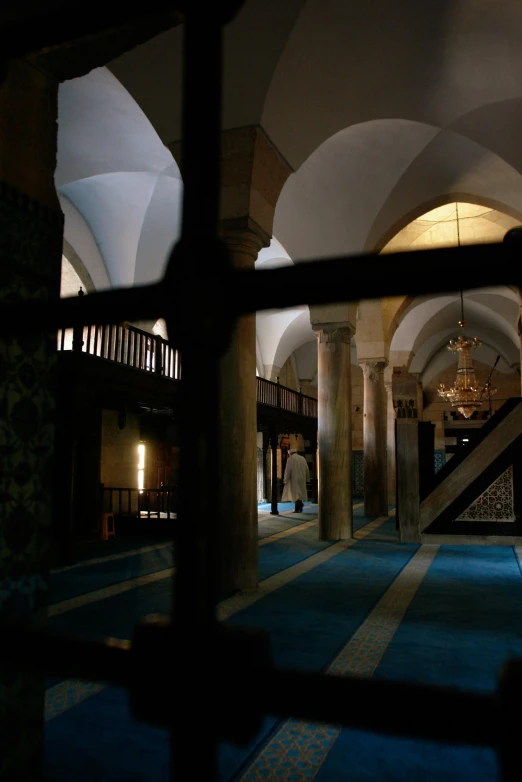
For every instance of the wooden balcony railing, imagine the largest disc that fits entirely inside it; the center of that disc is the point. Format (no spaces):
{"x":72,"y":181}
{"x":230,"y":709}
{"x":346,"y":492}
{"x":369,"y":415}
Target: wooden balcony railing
{"x":135,"y":348}
{"x":141,"y":503}
{"x":126,"y":345}
{"x":275,"y":395}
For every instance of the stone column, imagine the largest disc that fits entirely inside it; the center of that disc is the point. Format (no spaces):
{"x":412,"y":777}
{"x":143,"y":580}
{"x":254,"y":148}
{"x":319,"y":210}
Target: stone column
{"x":374,"y":437}
{"x":274,"y":484}
{"x":335,"y":431}
{"x":518,"y":365}
{"x":419,"y":394}
{"x":253,"y":173}
{"x":408,"y":473}
{"x":390,"y":440}
{"x":31,"y":237}
{"x":238,"y":561}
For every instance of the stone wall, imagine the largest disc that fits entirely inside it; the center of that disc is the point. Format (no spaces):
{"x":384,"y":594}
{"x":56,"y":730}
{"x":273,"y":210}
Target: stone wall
{"x":308,"y":388}
{"x":287,"y":376}
{"x":119,"y":450}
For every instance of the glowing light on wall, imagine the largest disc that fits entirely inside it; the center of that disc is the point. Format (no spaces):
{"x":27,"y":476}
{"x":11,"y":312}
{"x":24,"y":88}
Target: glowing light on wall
{"x":141,"y":466}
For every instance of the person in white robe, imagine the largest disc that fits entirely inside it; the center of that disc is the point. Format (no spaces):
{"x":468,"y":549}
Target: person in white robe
{"x":295,"y":478}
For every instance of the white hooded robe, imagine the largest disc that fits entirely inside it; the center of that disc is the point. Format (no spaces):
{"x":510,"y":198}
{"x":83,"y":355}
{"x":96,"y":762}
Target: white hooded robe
{"x":296,"y":476}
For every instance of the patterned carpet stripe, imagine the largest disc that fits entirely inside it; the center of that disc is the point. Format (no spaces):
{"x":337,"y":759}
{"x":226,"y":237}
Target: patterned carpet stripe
{"x":70,"y":692}
{"x":297,"y":751}
{"x":287,"y":532}
{"x":66,"y":694}
{"x":103,"y":594}
{"x":111,"y":557}
{"x":242,"y":600}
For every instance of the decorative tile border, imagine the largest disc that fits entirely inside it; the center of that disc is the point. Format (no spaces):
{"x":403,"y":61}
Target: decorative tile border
{"x":496,"y":503}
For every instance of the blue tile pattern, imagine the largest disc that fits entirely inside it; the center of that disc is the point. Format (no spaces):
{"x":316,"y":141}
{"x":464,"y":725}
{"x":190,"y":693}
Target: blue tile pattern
{"x":440,"y":459}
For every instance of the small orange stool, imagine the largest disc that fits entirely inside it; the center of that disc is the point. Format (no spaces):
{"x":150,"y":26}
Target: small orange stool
{"x":108,"y":527}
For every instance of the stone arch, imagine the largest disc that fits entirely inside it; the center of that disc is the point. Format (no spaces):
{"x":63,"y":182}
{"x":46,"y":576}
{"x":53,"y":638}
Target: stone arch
{"x":433,"y":203}
{"x":422,"y":209}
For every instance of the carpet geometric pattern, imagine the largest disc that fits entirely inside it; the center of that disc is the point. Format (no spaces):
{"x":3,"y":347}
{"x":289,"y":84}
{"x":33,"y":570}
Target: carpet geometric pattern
{"x":297,"y":751}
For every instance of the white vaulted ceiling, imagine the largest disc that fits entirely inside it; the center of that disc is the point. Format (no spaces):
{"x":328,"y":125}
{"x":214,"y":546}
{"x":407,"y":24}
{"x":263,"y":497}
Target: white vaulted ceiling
{"x":119,"y":185}
{"x":384,"y":111}
{"x":491,"y":313}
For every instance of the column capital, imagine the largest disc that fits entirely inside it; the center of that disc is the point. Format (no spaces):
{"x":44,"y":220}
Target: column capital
{"x":245,"y":239}
{"x":373,"y":367}
{"x":332,"y":333}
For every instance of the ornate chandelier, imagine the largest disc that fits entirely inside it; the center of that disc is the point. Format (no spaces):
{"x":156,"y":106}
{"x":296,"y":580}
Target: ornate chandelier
{"x":465,"y":394}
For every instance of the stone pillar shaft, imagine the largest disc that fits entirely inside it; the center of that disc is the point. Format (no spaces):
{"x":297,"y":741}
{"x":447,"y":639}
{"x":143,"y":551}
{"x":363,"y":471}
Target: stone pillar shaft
{"x":238,"y":445}
{"x":390,"y":450}
{"x":335,"y":432}
{"x":274,"y":444}
{"x":374,"y":436}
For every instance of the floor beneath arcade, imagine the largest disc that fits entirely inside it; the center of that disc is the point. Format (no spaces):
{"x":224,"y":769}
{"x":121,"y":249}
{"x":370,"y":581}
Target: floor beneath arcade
{"x":372,"y":607}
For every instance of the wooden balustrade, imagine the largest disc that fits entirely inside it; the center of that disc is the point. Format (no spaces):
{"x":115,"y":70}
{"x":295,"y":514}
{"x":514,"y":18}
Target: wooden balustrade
{"x":140,"y":503}
{"x":275,"y":395}
{"x":124,"y":344}
{"x":138,"y":349}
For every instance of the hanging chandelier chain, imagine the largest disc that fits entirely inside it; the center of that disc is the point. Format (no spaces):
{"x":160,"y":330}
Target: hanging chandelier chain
{"x":462,"y":322}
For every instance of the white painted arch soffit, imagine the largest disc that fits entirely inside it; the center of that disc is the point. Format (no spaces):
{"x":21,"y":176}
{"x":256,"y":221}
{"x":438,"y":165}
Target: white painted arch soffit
{"x":120,"y":178}
{"x":431,"y":321}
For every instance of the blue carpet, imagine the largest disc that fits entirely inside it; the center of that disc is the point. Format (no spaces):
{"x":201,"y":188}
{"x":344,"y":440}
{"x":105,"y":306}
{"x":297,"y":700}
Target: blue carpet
{"x":87,"y":578}
{"x":326,"y":607}
{"x":285,"y":552}
{"x":94,"y":548}
{"x":273,"y":524}
{"x":462,"y":625}
{"x":118,"y":615}
{"x":98,"y":740}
